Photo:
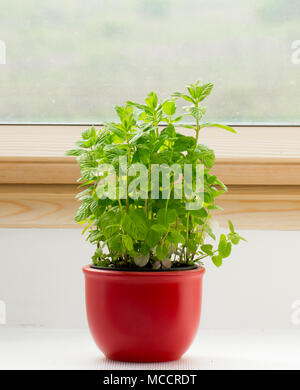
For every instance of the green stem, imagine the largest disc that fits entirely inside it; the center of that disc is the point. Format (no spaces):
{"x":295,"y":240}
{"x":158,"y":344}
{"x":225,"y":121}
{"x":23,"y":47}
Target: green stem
{"x":127,"y":177}
{"x":197,"y":132}
{"x":187,"y":226}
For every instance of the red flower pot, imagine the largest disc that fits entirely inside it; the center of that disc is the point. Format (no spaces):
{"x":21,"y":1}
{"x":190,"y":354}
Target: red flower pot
{"x":143,"y":316}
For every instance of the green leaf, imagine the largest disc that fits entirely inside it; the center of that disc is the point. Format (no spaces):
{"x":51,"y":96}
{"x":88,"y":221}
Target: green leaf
{"x":203,"y":91}
{"x":228,"y":128}
{"x":115,"y":243}
{"x":136,"y":137}
{"x":208,"y":230}
{"x":159,"y":228}
{"x":117,"y":130}
{"x":97,"y":208}
{"x":208,"y":249}
{"x":185,"y":97}
{"x":183,"y":142}
{"x":142,"y":155}
{"x":135,"y":224}
{"x":197,"y":112}
{"x":214,"y":207}
{"x":166,"y":216}
{"x":151,"y":100}
{"x":192,"y":245}
{"x":110,"y":223}
{"x":217,"y":260}
{"x":206,"y":155}
{"x":127,"y":242}
{"x":102,"y":136}
{"x":75,"y":152}
{"x":169,"y":107}
{"x":222,"y":247}
{"x":188,"y":98}
{"x":227,"y":251}
{"x":87,"y":161}
{"x":201,"y":213}
{"x":161,"y":252}
{"x":169,"y":131}
{"x":175,"y":237}
{"x":153,"y":238}
{"x":114,"y":151}
{"x":231,"y":226}
{"x":221,"y":184}
{"x":89,"y":133}
{"x":95,"y":236}
{"x":234,"y":238}
{"x":83,"y":211}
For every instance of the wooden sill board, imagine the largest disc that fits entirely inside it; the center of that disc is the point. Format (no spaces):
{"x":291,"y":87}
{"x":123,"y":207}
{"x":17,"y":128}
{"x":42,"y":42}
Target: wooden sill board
{"x":261,"y":166}
{"x":54,"y":206}
{"x":254,"y":156}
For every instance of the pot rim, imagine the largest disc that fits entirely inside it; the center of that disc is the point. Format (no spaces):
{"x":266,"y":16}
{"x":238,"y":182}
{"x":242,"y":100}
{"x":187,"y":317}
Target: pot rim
{"x":89,"y":269}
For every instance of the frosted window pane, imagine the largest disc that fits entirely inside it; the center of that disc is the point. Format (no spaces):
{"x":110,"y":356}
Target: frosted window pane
{"x":70,"y":61}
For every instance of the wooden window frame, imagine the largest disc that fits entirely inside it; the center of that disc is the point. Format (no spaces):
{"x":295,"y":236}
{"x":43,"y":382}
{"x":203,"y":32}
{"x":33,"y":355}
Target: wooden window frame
{"x":260,"y":165}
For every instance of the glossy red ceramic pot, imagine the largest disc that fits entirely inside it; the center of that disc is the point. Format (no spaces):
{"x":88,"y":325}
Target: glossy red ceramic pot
{"x":143,"y":316}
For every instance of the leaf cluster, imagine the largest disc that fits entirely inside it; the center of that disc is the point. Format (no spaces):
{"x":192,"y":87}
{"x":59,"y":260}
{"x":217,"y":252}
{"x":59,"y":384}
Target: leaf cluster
{"x":146,"y":232}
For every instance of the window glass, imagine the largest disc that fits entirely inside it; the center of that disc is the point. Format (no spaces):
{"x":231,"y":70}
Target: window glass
{"x":70,"y":61}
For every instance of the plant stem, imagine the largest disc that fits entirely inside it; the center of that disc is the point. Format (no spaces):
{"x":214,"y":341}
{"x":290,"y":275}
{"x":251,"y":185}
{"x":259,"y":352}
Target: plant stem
{"x":127,"y":176}
{"x":197,"y":132}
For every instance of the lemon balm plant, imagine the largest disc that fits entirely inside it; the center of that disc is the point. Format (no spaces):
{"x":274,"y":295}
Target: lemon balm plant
{"x":146,"y":202}
{"x":130,"y":228}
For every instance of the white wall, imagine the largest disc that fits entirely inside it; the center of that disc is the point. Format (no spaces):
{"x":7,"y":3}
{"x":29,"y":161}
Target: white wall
{"x":41,"y":282}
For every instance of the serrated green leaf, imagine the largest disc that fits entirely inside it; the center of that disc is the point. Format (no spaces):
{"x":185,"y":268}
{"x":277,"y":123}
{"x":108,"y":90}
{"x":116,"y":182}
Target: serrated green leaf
{"x":75,"y":152}
{"x":203,"y":91}
{"x":206,"y":155}
{"x":197,"y":112}
{"x":135,"y":224}
{"x":83,"y":212}
{"x":127,"y":242}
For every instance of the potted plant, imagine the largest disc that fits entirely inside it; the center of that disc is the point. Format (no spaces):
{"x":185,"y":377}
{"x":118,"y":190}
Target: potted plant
{"x":151,"y":229}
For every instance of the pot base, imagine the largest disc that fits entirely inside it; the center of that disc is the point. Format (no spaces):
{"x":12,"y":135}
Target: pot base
{"x":145,"y":359}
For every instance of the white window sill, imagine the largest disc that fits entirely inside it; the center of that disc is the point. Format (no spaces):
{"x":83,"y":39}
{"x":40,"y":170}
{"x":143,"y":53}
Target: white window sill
{"x":212,"y":350}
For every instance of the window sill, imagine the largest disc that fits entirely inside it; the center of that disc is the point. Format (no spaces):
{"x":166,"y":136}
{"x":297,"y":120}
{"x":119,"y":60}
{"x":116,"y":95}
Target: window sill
{"x":261,"y":166}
